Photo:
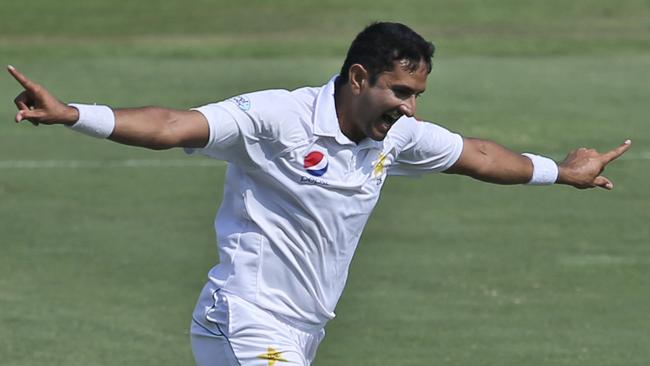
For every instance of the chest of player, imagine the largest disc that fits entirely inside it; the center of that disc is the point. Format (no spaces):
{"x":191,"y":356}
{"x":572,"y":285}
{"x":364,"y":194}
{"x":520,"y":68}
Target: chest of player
{"x":322,"y":163}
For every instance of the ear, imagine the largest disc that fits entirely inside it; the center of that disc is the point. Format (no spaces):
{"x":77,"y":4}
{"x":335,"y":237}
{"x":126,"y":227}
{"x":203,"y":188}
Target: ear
{"x":358,"y":77}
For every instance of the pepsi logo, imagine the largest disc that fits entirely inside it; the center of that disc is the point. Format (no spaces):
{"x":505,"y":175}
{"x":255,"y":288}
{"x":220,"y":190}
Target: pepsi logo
{"x":316,"y":163}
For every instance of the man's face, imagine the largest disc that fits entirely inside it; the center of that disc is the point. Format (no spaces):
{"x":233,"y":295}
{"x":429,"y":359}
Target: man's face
{"x":392,"y":96}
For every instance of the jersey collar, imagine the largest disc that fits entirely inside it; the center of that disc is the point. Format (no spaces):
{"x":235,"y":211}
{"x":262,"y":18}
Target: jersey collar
{"x":326,"y":123}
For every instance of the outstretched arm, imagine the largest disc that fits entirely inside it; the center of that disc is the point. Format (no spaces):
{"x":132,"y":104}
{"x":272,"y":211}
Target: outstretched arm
{"x":149,"y":127}
{"x":490,"y":162}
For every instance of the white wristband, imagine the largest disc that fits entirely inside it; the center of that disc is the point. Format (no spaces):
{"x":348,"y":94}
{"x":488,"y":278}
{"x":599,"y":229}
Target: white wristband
{"x":94,"y":120}
{"x":545,"y":170}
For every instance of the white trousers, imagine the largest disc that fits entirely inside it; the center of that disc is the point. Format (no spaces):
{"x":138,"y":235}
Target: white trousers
{"x":229,"y":331}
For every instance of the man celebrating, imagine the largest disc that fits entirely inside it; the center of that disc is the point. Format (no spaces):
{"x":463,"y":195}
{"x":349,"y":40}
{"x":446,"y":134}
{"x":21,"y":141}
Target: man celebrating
{"x":305,"y":171}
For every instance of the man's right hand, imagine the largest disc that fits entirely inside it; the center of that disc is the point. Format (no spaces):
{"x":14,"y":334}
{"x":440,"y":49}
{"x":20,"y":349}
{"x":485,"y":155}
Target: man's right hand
{"x":37,"y":105}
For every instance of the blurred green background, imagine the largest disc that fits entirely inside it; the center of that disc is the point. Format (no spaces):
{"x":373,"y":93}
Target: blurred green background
{"x":104,"y":248}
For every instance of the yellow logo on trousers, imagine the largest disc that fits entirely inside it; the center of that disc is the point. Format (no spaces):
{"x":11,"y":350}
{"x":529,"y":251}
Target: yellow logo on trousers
{"x":273,"y":356}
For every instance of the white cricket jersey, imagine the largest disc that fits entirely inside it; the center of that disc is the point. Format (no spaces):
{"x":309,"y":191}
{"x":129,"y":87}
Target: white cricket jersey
{"x":298,"y":193}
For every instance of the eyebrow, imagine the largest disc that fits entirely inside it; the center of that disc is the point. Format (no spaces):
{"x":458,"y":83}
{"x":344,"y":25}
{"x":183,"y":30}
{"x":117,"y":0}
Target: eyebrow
{"x":406,"y":89}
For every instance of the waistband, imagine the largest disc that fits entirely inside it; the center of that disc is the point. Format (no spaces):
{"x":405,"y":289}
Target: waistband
{"x":302,"y":327}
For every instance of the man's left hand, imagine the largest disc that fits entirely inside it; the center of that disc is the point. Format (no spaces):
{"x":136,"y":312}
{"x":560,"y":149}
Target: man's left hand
{"x":582,"y":168}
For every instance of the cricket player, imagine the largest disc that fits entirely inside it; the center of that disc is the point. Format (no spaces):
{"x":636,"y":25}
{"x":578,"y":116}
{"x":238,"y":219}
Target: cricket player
{"x":305,"y":169}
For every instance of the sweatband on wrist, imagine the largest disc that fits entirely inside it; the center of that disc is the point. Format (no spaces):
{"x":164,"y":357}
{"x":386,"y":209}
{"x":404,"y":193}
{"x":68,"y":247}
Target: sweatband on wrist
{"x":94,"y":120}
{"x":545,"y":170}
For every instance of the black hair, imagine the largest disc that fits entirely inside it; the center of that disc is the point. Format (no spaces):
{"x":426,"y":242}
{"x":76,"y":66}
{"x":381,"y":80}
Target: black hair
{"x":380,"y":44}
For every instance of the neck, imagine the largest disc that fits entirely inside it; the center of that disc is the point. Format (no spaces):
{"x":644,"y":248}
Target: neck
{"x":345,"y":110}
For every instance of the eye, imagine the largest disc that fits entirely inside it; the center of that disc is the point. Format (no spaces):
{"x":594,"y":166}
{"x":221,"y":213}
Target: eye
{"x":405,"y":93}
{"x":402,"y":93}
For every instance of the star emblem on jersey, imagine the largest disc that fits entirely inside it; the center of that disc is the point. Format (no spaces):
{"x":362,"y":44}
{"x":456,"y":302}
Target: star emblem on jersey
{"x":378,"y":169}
{"x":316,"y":163}
{"x":273,"y":356}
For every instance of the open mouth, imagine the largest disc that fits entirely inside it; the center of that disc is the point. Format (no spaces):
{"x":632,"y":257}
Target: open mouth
{"x":390,"y":117}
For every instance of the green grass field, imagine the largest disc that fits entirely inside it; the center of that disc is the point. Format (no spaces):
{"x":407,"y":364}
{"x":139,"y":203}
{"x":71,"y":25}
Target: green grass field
{"x":104,"y":248}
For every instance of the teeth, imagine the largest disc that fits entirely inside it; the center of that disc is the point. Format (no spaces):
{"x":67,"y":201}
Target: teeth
{"x":393,"y":116}
{"x":389,"y":118}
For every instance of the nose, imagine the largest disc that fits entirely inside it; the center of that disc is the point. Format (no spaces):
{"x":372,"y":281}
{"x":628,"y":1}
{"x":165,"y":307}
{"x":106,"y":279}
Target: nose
{"x":408,"y":107}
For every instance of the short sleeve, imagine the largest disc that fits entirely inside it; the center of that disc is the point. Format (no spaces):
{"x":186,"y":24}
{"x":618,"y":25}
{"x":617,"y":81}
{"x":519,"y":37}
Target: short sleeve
{"x":224,"y":131}
{"x":240,"y":122}
{"x":429,"y":148}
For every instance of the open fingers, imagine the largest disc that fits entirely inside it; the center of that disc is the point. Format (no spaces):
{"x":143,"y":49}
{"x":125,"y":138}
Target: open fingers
{"x":615,"y":153}
{"x":22,"y":79}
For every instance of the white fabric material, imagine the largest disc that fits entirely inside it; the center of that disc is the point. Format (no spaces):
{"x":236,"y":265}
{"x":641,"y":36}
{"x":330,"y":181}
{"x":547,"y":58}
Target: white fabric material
{"x":545,"y":170}
{"x":229,"y":331}
{"x":298,"y":193}
{"x":94,"y":120}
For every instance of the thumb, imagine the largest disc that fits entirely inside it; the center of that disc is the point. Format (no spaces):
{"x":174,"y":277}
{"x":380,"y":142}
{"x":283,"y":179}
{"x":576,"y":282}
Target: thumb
{"x":603,"y":182}
{"x":29,"y":114}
